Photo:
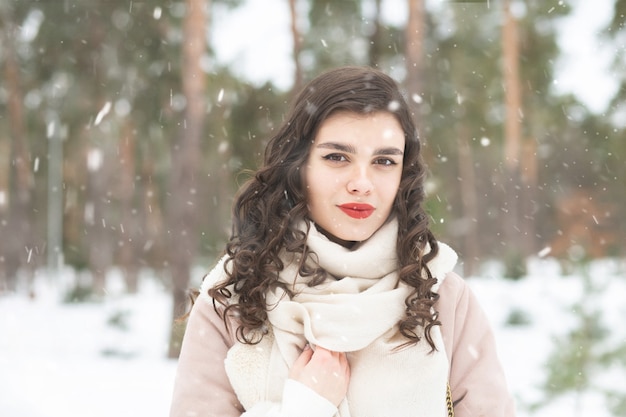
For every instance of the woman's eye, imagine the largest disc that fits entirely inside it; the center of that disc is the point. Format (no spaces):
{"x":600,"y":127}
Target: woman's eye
{"x":335,"y":157}
{"x":385,"y":161}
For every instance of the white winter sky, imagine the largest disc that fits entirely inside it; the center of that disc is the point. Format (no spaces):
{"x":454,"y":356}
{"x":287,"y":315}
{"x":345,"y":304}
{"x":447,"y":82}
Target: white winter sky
{"x":254,"y":40}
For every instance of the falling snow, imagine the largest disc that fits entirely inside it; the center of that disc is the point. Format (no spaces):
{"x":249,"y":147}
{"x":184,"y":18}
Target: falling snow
{"x":109,"y":357}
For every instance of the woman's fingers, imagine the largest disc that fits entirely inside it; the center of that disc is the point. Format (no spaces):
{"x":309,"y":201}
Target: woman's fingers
{"x":324,"y":371}
{"x":304,"y":357}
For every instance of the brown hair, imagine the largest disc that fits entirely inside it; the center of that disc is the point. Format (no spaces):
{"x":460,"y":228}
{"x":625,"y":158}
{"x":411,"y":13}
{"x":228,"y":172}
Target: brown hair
{"x":270,"y":205}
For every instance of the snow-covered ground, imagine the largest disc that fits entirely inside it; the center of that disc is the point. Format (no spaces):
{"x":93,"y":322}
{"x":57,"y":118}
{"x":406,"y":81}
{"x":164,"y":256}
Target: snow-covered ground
{"x":85,"y":359}
{"x":552,"y":304}
{"x":108,"y":358}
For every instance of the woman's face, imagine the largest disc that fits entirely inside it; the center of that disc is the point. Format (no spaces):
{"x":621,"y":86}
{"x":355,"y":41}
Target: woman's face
{"x":353,"y":173}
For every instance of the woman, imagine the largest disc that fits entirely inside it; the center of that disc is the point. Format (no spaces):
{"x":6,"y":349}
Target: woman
{"x":333,"y":296}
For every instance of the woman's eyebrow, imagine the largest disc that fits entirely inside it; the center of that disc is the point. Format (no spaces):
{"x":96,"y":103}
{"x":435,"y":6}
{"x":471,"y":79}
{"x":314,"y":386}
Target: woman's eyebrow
{"x":338,"y":147}
{"x":388,"y":151}
{"x":347,"y":148}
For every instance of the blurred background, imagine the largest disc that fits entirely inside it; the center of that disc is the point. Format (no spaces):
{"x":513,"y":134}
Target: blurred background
{"x":125,"y":127}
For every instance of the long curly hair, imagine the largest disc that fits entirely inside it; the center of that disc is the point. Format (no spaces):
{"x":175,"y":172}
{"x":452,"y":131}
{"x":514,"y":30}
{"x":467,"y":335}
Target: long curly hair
{"x":271,"y":204}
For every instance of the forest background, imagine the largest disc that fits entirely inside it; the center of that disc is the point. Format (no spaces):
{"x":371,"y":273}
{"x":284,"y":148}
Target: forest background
{"x":123,"y":139}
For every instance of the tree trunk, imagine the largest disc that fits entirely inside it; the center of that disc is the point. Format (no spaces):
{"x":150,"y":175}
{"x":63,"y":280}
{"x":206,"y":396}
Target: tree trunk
{"x":5,"y":169}
{"x":298,"y":78}
{"x":375,"y":41}
{"x":512,"y":134}
{"x":19,"y":249}
{"x":529,"y":173}
{"x":97,"y":227}
{"x":414,"y":48}
{"x":153,"y":248}
{"x":128,"y":234}
{"x":469,"y":204}
{"x":101,"y":167}
{"x":415,"y":33}
{"x":182,"y":203}
{"x":512,"y":89}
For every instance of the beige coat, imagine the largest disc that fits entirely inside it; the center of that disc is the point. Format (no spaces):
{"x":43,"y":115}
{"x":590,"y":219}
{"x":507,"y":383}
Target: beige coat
{"x":477,"y":381}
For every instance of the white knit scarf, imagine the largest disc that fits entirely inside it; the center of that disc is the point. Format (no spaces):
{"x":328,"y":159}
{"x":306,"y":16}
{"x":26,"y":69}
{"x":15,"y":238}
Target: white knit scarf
{"x":356,"y":310}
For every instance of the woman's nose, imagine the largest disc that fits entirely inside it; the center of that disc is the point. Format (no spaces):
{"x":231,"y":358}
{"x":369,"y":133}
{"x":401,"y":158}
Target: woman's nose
{"x":360,"y":182}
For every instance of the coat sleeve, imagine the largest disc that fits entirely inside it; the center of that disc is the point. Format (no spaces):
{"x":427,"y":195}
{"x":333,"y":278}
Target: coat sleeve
{"x":201,"y":387}
{"x":477,"y":380}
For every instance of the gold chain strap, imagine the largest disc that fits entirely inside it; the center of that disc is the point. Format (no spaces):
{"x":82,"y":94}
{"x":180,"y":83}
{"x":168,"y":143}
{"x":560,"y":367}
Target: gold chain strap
{"x":449,"y":402}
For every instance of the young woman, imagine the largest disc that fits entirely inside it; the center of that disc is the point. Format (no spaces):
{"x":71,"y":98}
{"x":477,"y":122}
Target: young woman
{"x":333,"y":297}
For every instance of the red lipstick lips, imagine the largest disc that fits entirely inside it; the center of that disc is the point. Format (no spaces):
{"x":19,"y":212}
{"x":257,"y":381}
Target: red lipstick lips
{"x":357,"y":210}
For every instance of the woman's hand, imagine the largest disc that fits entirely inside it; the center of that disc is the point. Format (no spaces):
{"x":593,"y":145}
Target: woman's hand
{"x":324,"y":371}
